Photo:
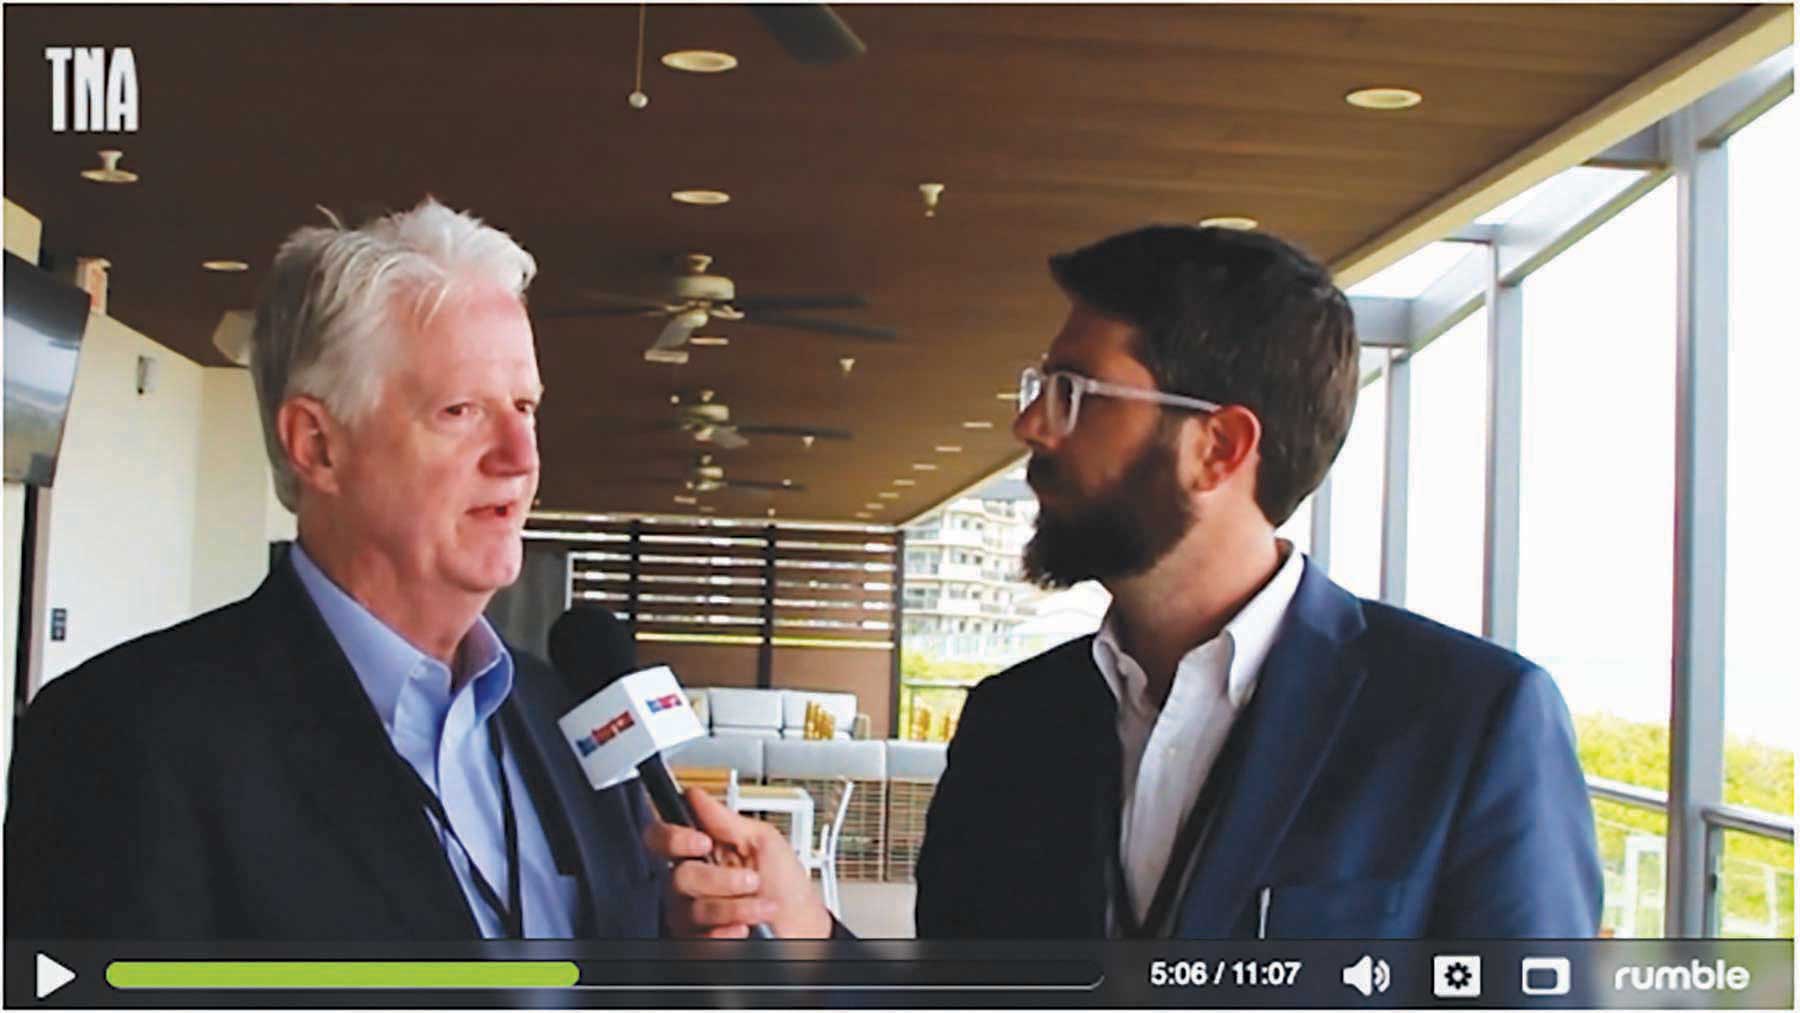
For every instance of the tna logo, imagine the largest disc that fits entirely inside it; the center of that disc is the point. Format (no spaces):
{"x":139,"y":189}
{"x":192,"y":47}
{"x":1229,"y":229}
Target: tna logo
{"x":663,"y":703}
{"x":603,"y":734}
{"x":103,"y":86}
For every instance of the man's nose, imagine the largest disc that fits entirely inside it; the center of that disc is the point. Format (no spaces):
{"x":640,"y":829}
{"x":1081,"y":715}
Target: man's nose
{"x":515,"y":445}
{"x":1032,"y":428}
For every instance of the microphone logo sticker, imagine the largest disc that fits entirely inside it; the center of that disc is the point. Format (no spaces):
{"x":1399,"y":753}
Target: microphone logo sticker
{"x":600,"y":736}
{"x":663,"y":703}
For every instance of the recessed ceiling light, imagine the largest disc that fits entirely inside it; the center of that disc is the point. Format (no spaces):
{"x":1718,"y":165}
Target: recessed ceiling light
{"x":709,"y":339}
{"x":922,"y":466}
{"x":978,"y":424}
{"x":1238,"y":222}
{"x":1007,"y":395}
{"x":686,"y":500}
{"x":948,"y":449}
{"x":707,"y":509}
{"x":699,"y":61}
{"x":701,"y":197}
{"x":1384,"y":99}
{"x":888,"y":495}
{"x":225,"y":265}
{"x":786,"y":482}
{"x":874,"y":506}
{"x":771,"y":511}
{"x":862,"y":516}
{"x":904,"y":481}
{"x":109,"y":171}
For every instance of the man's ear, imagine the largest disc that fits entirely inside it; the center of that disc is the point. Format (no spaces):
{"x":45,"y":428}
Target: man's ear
{"x":313,"y":440}
{"x":1221,"y":446}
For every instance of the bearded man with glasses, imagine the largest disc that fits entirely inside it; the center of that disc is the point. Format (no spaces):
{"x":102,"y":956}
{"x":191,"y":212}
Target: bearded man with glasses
{"x":1245,"y":749}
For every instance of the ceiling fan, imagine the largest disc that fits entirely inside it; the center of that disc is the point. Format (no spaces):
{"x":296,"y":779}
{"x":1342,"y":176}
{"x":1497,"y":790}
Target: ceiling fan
{"x":695,"y":297}
{"x":706,"y":476}
{"x":709,"y":421}
{"x":811,"y":33}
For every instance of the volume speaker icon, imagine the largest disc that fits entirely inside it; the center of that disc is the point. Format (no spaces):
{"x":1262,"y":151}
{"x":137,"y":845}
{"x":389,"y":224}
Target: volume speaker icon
{"x":1368,"y":976}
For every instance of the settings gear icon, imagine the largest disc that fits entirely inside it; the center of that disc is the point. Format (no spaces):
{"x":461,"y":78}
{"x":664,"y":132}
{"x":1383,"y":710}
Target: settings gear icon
{"x":1456,"y":976}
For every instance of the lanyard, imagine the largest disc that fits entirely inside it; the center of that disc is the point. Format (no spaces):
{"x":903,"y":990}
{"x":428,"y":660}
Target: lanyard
{"x":512,"y":911}
{"x":1187,"y":840}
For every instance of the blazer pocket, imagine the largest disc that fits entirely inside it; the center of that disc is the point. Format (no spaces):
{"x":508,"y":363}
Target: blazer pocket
{"x":1347,"y":909}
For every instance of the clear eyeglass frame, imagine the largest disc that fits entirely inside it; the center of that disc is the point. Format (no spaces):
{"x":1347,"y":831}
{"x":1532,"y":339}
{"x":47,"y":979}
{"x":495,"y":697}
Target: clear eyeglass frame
{"x":1062,"y":409}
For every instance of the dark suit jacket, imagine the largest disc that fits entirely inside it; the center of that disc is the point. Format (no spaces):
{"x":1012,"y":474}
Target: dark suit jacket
{"x":1390,"y":778}
{"x":228,"y":778}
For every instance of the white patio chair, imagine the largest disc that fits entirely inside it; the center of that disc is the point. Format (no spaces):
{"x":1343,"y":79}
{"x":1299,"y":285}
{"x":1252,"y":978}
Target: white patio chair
{"x":823,"y":859}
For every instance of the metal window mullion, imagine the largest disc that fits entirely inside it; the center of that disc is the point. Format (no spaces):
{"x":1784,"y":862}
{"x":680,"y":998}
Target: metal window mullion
{"x":1505,"y":440}
{"x":1394,"y":474}
{"x":1697,"y":692}
{"x":894,"y":670}
{"x":1713,"y":849}
{"x":1318,"y":547}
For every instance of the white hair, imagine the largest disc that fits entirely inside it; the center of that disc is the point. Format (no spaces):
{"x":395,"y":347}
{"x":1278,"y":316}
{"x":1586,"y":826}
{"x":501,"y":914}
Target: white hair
{"x":336,"y":299}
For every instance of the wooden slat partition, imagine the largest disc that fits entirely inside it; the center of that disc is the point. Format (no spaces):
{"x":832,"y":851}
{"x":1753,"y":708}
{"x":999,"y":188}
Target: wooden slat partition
{"x":740,"y":584}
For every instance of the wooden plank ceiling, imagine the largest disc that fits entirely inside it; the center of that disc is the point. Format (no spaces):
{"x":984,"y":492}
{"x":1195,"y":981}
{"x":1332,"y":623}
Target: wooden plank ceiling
{"x":1051,"y":126}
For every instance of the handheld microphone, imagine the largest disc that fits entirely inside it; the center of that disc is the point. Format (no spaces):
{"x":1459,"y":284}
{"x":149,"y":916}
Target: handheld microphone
{"x":630,"y":715}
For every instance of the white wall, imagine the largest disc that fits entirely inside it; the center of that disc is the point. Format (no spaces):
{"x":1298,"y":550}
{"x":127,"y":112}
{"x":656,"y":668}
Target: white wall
{"x":122,"y":516}
{"x":13,"y":509}
{"x":22,"y":235}
{"x":163,"y":507}
{"x":231,"y":550}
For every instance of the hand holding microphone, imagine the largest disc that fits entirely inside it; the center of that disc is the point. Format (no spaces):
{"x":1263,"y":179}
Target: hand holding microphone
{"x":755,"y":885}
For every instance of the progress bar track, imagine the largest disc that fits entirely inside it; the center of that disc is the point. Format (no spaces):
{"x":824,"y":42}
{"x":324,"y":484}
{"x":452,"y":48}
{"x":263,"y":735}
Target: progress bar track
{"x":611,"y":976}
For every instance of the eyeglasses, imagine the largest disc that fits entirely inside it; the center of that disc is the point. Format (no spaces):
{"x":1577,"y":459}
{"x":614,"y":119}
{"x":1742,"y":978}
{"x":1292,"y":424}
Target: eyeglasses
{"x":1063,"y":406}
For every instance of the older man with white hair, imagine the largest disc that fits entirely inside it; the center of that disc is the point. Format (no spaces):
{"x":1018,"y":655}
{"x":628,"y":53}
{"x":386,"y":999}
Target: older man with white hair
{"x":351,"y":752}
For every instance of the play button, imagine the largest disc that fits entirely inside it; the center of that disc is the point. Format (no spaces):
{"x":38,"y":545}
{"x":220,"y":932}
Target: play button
{"x":51,"y":976}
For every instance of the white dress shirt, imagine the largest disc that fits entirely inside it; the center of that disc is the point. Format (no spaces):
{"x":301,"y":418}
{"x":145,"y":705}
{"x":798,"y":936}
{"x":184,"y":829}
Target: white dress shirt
{"x":1168,"y":752}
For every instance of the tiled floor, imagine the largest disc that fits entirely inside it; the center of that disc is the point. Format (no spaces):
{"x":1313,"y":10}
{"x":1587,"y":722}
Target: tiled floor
{"x":878,"y":910}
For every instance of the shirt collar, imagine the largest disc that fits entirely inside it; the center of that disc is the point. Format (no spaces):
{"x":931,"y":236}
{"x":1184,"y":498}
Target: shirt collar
{"x":1248,"y":636}
{"x":385,"y":662}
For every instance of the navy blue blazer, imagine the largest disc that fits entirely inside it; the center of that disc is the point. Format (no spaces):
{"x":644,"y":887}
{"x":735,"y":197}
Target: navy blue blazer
{"x":228,"y":779}
{"x":1390,"y":778}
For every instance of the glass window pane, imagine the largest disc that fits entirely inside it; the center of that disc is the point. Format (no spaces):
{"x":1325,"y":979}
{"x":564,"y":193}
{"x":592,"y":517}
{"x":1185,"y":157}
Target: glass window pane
{"x":1597,"y":483}
{"x":1414,"y":273}
{"x":1446,"y":489}
{"x":1761,"y":554}
{"x":1356,"y":496}
{"x":1756,"y":886}
{"x":1298,"y":528}
{"x":1631,"y":858}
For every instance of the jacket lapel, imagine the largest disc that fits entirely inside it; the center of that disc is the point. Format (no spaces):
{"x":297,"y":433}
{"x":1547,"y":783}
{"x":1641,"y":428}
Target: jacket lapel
{"x":1303,"y":693}
{"x":344,"y":763}
{"x":1096,"y":714}
{"x":566,"y":804}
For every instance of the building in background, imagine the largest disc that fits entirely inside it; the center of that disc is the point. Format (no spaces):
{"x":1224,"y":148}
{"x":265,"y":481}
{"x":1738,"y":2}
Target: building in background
{"x":967,"y":612}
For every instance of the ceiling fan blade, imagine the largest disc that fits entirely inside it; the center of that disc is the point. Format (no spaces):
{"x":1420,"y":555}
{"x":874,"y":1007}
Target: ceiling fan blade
{"x":727,"y":438}
{"x":577,"y":312}
{"x":841,"y":301}
{"x":814,"y":431}
{"x":811,"y":33}
{"x":738,"y":483}
{"x":832,"y":327}
{"x":659,"y":482}
{"x":680,"y":326}
{"x":635,"y":427}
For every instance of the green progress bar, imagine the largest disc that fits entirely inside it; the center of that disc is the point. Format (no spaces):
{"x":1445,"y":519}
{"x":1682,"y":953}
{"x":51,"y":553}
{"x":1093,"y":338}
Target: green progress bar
{"x":341,"y":974}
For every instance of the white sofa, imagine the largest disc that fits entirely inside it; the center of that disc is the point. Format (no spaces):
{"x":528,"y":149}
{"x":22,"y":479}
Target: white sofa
{"x":752,"y":712}
{"x":769,"y":713}
{"x":742,"y":753}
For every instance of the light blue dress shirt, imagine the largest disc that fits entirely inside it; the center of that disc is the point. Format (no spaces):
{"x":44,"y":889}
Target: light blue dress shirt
{"x":444,"y":736}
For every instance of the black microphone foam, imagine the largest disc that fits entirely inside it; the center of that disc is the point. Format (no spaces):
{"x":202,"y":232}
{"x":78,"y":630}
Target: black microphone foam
{"x":592,"y":648}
